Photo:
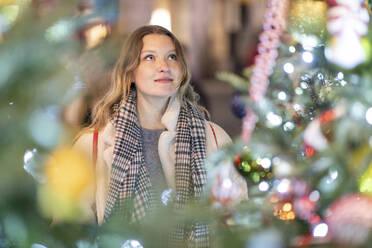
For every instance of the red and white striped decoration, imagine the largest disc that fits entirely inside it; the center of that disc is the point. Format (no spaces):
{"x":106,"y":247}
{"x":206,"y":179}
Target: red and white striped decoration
{"x":273,"y":25}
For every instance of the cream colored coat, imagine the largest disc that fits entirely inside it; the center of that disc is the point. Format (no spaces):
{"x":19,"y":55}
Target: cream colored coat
{"x":106,"y":144}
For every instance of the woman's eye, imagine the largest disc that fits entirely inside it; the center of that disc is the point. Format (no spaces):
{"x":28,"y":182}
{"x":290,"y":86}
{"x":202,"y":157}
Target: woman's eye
{"x":149,"y":57}
{"x":173,"y":57}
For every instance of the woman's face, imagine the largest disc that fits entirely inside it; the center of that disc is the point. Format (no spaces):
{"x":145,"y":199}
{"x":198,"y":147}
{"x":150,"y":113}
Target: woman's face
{"x":159,"y":72}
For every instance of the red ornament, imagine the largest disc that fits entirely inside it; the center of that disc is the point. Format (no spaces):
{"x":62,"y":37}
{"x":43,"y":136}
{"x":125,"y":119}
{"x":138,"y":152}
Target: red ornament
{"x":309,"y":151}
{"x":349,"y":219}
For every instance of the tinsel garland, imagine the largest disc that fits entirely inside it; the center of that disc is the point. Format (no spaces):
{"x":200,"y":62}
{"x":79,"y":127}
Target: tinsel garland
{"x":273,"y":26}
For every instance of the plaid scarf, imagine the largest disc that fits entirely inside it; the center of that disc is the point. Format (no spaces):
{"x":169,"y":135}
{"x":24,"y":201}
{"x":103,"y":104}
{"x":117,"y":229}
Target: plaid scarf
{"x":130,"y":182}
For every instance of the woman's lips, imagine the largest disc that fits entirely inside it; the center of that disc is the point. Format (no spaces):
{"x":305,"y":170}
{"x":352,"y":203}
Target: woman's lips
{"x":164,"y":80}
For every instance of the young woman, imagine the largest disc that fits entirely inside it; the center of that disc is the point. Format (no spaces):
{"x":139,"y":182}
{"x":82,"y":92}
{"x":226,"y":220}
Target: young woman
{"x":149,"y":131}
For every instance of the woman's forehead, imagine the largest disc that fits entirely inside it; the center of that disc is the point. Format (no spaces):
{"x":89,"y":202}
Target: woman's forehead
{"x":155,"y":41}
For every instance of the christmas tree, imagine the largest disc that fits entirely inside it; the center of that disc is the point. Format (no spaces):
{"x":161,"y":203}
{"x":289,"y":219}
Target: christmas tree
{"x":305,"y":149}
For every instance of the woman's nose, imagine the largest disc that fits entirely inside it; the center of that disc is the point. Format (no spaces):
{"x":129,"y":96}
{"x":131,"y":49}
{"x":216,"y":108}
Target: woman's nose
{"x":163,"y":65}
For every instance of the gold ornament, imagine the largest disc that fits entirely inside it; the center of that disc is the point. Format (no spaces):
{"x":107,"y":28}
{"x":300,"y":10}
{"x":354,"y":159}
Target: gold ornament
{"x":307,"y":17}
{"x":69,"y":189}
{"x":365,"y":183}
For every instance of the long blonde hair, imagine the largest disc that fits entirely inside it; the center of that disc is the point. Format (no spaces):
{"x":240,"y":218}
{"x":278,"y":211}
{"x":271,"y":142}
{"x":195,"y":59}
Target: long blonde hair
{"x":123,"y":76}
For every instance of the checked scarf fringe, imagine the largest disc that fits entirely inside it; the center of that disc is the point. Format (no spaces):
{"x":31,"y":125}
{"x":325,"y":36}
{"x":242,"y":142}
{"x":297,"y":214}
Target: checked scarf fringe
{"x":129,"y":191}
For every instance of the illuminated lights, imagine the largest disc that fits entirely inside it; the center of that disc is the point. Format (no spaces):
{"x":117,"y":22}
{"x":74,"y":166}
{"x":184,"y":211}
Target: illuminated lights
{"x":263,"y":186}
{"x":95,"y":35}
{"x":29,"y":155}
{"x":288,"y":126}
{"x":307,"y":57}
{"x":132,"y":243}
{"x":288,"y":68}
{"x":309,"y":42}
{"x":162,"y":18}
{"x":283,"y":186}
{"x":292,"y":49}
{"x":333,"y":174}
{"x":282,"y":96}
{"x":369,"y":116}
{"x":287,"y":207}
{"x":285,"y":211}
{"x":304,"y":85}
{"x":274,"y":119}
{"x":320,"y":230}
{"x":265,"y":163}
{"x":299,"y":91}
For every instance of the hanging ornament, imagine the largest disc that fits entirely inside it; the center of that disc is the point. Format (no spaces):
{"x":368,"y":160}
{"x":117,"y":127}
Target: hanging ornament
{"x":237,"y":105}
{"x":225,"y":187}
{"x":349,"y":219}
{"x":365,"y":183}
{"x":347,"y":23}
{"x":307,"y":17}
{"x":318,"y":132}
{"x":273,"y":26}
{"x":68,"y":191}
{"x":253,"y":170}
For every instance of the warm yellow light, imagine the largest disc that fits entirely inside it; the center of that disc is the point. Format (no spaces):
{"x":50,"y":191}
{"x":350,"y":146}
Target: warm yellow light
{"x":95,"y":35}
{"x":161,"y":17}
{"x":291,"y":216}
{"x":287,"y":207}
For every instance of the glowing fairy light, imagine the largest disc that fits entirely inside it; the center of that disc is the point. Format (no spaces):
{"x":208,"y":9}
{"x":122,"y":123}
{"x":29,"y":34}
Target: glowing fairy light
{"x":307,"y":57}
{"x":283,"y":186}
{"x":288,"y":126}
{"x":282,"y":96}
{"x":274,"y":119}
{"x":288,"y":68}
{"x":265,"y":163}
{"x":309,"y":42}
{"x":299,"y":91}
{"x":320,"y":230}
{"x":161,"y":17}
{"x":263,"y":186}
{"x":292,"y":49}
{"x":369,"y":116}
{"x":132,"y":243}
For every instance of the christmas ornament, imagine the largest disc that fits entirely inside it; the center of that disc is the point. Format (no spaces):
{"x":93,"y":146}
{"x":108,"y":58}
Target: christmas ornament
{"x":365,"y":183}
{"x":347,"y":23}
{"x":68,"y":191}
{"x":253,"y":170}
{"x":307,"y":17}
{"x":273,"y":26}
{"x":315,"y":139}
{"x":349,"y":219}
{"x":225,"y":187}
{"x":237,"y":106}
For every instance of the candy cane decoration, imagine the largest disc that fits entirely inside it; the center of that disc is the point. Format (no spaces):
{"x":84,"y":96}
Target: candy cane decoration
{"x":347,"y":23}
{"x":273,"y":26}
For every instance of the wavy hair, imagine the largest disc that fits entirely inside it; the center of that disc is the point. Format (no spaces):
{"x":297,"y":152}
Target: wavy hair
{"x":123,"y":76}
